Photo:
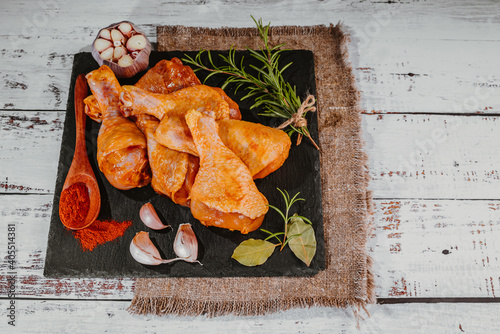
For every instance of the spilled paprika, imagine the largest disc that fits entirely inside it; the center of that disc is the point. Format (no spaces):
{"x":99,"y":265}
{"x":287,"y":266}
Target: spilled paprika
{"x":99,"y":232}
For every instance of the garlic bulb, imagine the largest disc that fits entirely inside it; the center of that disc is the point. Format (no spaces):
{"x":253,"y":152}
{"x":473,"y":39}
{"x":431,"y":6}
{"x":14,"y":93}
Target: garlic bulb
{"x":150,"y":218}
{"x":186,"y":244}
{"x":122,"y":47}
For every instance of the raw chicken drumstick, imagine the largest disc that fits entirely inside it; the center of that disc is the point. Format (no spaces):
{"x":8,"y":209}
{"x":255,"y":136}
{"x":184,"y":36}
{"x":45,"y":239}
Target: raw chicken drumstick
{"x":224,"y":193}
{"x":134,"y":101}
{"x":171,"y":109}
{"x":173,"y":171}
{"x":121,"y":146}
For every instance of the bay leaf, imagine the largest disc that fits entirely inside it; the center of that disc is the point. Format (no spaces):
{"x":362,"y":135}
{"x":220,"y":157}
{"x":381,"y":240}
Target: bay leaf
{"x":253,"y":252}
{"x":303,"y":244}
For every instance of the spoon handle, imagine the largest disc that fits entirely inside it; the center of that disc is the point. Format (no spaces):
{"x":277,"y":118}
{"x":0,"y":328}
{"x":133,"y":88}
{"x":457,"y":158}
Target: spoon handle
{"x":81,"y":92}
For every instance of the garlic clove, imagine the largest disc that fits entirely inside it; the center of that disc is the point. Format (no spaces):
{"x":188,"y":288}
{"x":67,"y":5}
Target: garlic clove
{"x":150,"y":218}
{"x":186,"y":244}
{"x":125,"y":61}
{"x":107,"y":54}
{"x":126,"y":29}
{"x":101,"y":44}
{"x":117,"y":37}
{"x":106,"y":34}
{"x":143,"y":250}
{"x":119,"y":52}
{"x":136,"y":43}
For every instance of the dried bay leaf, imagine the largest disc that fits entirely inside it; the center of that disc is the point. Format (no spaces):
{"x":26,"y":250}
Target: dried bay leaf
{"x":303,"y":242}
{"x":253,"y":252}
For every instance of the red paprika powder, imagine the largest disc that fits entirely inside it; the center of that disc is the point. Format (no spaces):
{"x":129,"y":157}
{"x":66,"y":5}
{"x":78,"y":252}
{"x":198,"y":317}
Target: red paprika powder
{"x":99,"y":232}
{"x":74,"y":204}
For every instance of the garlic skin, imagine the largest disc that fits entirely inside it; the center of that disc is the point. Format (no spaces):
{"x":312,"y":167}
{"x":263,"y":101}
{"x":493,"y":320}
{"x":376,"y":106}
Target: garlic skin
{"x":186,"y":244}
{"x":143,"y":250}
{"x":150,"y":218}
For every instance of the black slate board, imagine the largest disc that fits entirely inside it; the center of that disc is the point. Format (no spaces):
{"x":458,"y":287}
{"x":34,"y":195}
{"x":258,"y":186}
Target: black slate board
{"x":301,"y":172}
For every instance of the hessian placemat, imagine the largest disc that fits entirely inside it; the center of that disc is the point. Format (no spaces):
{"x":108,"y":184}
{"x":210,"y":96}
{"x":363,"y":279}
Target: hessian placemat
{"x":347,"y":280}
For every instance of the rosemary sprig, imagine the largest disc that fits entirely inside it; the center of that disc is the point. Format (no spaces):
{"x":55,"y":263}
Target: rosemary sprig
{"x":286,"y":217}
{"x":268,"y":87}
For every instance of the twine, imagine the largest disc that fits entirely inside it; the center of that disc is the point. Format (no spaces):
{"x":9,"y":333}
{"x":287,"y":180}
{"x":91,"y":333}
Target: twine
{"x":297,"y":119}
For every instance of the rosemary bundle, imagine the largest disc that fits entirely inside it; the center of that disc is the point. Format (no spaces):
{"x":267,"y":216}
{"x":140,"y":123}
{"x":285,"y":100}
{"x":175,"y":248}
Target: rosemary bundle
{"x":271,"y":92}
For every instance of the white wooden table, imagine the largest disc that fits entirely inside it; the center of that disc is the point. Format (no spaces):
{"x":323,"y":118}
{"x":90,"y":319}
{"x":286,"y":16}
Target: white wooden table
{"x":429,"y":73}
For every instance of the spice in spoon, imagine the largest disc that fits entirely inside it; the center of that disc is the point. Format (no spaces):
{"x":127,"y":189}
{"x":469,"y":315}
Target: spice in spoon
{"x":74,"y":204}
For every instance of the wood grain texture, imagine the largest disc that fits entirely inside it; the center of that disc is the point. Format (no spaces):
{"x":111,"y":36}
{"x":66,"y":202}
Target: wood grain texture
{"x":429,"y":76}
{"x":409,"y":154}
{"x":425,"y":248}
{"x":111,"y":316}
{"x":422,"y":156}
{"x":421,"y":248}
{"x":410,"y":57}
{"x":30,"y":147}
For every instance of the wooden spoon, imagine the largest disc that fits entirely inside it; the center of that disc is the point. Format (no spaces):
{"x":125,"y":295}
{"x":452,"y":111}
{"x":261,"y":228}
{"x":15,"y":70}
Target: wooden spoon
{"x":80,"y":169}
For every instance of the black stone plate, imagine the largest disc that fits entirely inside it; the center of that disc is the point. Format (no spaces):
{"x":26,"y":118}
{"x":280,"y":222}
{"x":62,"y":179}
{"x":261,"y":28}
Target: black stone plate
{"x":300,"y":172}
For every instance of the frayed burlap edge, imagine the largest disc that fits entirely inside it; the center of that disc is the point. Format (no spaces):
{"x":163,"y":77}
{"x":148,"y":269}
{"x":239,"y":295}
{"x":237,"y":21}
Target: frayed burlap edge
{"x":153,"y":296}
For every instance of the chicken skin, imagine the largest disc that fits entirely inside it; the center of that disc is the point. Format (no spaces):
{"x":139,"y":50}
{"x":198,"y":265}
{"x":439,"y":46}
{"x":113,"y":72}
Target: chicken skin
{"x":173,"y":171}
{"x":261,"y":148}
{"x":168,"y":76}
{"x":224,"y":193}
{"x":121,"y":146}
{"x":134,"y":101}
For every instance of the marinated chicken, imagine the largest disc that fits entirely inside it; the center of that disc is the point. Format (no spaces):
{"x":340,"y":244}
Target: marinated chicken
{"x":121,"y":146}
{"x":168,"y":76}
{"x":134,"y":101}
{"x":261,"y":148}
{"x":200,"y":153}
{"x":224,"y":193}
{"x":173,"y":171}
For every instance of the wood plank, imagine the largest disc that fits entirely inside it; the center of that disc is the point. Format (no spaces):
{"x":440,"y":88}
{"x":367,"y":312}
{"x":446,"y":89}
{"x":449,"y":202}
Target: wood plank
{"x":410,"y":75}
{"x":421,"y":248}
{"x":425,"y":248}
{"x":88,"y":316}
{"x":31,"y":142}
{"x":420,"y":156}
{"x":393,"y":75}
{"x":386,"y":48}
{"x":409,"y":154}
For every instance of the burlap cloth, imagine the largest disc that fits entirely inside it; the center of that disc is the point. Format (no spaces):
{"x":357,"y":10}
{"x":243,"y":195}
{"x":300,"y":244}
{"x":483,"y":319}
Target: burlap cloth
{"x":347,"y":280}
